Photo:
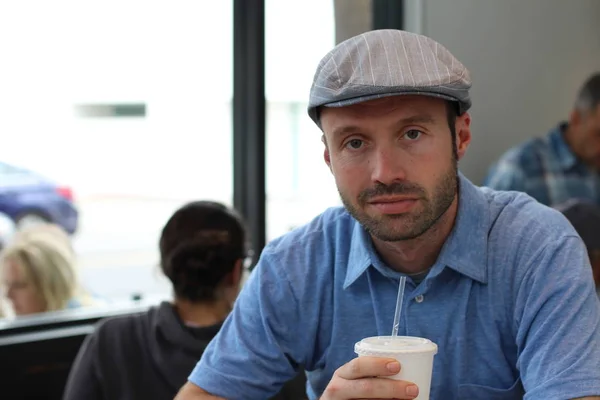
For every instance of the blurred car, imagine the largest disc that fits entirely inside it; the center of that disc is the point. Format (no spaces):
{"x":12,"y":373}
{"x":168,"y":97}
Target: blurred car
{"x":29,"y":198}
{"x":7,"y":229}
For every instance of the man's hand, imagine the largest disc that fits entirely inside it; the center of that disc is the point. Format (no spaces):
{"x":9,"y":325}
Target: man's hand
{"x":358,"y":380}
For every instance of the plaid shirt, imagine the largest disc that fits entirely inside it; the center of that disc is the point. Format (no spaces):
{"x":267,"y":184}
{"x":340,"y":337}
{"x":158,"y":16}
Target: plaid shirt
{"x":547,"y":170}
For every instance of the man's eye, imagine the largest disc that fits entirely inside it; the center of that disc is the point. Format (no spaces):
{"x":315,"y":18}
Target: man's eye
{"x":413,"y":134}
{"x":354,"y":144}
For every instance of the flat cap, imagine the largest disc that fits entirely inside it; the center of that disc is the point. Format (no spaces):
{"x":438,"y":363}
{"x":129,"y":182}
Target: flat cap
{"x":387,"y":62}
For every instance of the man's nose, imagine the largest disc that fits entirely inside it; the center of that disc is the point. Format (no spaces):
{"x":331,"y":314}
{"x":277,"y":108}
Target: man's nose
{"x":388,"y":165}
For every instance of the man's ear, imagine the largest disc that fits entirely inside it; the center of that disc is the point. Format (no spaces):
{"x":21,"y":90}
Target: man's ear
{"x":575,"y":117}
{"x":463,"y":134}
{"x":326,"y":155}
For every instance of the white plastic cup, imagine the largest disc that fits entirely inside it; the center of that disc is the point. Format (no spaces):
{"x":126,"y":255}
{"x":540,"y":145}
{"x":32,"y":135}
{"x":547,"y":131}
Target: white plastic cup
{"x":414,"y":354}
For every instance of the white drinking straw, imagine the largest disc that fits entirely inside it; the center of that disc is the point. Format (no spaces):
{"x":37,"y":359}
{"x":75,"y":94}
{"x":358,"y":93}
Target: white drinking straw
{"x":399,"y":305}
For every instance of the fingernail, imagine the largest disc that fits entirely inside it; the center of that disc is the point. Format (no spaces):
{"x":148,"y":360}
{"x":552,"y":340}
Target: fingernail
{"x":394,"y":367}
{"x":412,"y":390}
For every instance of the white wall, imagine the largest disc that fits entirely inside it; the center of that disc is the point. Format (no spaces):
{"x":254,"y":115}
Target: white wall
{"x":527,"y":60}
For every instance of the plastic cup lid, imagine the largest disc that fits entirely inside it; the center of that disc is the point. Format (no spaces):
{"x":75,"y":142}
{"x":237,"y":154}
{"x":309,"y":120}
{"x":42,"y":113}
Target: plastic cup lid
{"x":389,"y":346}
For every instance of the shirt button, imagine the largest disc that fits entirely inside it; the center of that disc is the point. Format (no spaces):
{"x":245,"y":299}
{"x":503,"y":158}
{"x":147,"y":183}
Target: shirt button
{"x":419,"y":298}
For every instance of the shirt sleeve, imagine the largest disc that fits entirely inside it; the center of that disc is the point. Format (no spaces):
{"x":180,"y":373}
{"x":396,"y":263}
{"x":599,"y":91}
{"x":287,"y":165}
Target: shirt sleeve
{"x":83,"y":381}
{"x":557,"y":317}
{"x":259,"y":346}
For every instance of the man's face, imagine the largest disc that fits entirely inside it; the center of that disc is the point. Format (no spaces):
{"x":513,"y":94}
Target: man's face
{"x":394,"y":163}
{"x":586,"y":138}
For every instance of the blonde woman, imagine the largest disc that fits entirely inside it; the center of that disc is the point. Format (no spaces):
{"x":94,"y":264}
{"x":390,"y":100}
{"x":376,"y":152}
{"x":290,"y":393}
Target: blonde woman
{"x":38,"y":271}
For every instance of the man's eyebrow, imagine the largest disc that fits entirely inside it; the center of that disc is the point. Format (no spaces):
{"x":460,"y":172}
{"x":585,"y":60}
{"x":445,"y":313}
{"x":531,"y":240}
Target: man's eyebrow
{"x":413,"y":119}
{"x":342,"y":130}
{"x":417,"y":119}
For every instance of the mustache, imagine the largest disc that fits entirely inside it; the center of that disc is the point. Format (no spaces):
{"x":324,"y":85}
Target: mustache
{"x":400,"y":188}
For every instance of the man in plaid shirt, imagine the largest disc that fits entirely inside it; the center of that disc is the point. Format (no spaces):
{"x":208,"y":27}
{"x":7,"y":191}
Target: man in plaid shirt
{"x":563,"y":165}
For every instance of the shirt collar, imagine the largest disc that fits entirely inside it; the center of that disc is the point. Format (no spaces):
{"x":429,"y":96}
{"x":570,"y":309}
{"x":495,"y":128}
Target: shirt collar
{"x":360,"y":254}
{"x":465,"y":250}
{"x":566,"y":157}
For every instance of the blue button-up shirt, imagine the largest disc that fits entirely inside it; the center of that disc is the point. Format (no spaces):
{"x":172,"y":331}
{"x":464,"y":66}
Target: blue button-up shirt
{"x":510,"y":303}
{"x":546,"y":169}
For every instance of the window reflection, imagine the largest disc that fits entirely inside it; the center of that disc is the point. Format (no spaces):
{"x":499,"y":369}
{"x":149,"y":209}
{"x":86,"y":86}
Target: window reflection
{"x":115,"y":116}
{"x":299,"y":184}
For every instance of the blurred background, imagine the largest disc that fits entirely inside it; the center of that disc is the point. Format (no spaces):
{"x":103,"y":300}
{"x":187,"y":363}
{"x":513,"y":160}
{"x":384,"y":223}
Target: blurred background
{"x":115,"y":113}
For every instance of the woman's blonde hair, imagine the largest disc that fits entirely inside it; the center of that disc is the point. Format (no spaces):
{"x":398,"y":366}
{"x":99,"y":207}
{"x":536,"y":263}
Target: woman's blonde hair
{"x":45,"y":256}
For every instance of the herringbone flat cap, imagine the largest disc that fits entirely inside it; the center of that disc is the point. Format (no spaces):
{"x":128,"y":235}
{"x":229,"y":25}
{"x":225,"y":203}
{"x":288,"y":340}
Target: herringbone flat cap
{"x":384,"y":63}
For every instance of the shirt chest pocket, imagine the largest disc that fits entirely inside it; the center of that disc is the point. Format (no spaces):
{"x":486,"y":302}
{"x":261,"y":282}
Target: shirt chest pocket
{"x":476,"y":392}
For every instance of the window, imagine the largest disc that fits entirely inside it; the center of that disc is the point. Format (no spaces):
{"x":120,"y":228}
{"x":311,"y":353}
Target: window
{"x":298,"y":35}
{"x":299,"y":184}
{"x":128,"y":106}
{"x":6,"y":169}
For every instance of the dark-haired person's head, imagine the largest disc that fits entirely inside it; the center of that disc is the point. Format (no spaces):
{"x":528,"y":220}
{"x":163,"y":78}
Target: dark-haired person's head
{"x":202,"y":251}
{"x":583,"y":134}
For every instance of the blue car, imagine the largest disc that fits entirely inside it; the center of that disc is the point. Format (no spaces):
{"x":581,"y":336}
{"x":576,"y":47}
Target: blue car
{"x":29,"y":198}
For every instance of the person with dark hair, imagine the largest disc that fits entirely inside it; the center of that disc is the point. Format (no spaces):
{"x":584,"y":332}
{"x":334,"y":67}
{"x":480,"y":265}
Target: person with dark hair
{"x":563,"y":165}
{"x":150,"y":355}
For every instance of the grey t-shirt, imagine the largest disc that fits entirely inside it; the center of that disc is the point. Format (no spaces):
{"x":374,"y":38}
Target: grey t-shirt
{"x":145,"y":356}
